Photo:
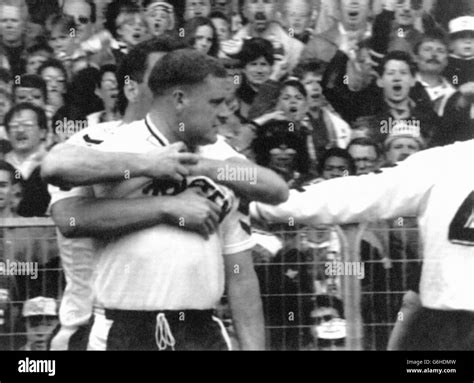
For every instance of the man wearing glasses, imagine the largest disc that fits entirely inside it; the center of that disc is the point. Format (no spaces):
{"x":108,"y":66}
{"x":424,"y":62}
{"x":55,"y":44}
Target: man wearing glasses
{"x":83,"y":12}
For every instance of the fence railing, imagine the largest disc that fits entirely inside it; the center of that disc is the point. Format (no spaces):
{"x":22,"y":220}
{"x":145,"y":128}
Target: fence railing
{"x":332,"y":288}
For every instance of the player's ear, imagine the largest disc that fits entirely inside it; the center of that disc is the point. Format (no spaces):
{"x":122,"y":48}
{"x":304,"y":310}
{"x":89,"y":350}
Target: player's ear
{"x":179,"y":99}
{"x":130,"y":90}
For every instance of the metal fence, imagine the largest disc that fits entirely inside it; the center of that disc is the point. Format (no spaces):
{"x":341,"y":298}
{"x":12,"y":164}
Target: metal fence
{"x":331,"y":288}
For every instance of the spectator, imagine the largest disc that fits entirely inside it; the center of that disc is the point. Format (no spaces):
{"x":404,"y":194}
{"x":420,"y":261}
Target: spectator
{"x":60,"y":31}
{"x":41,"y":316}
{"x":36,"y":55}
{"x":222,"y":6}
{"x":402,"y":16}
{"x":197,"y":8}
{"x":297,"y":18}
{"x":106,"y":89}
{"x":128,"y":25}
{"x":30,"y":88}
{"x":432,"y":58}
{"x":200,"y":34}
{"x":160,"y":18}
{"x":7,"y":185}
{"x":55,"y":76}
{"x":83,"y":13}
{"x":283,"y":151}
{"x":262,"y":24}
{"x":6,"y":80}
{"x":402,"y":142}
{"x":326,"y":127}
{"x":222,"y":25}
{"x":5,"y":104}
{"x":397,"y":79}
{"x":13,"y":16}
{"x":336,"y":162}
{"x":257,"y":60}
{"x":366,"y":155}
{"x":354,"y":26}
{"x":460,"y":68}
{"x":26,"y":126}
{"x":293,"y":100}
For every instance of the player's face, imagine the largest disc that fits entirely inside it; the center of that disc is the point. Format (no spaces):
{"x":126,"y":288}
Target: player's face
{"x":400,"y":149}
{"x":203,"y":39}
{"x":432,"y":57}
{"x":335,"y":167}
{"x":24,"y":132}
{"x":365,"y":158}
{"x":292,"y":103}
{"x":39,"y":330}
{"x":297,"y":15}
{"x":11,"y":24}
{"x":312,"y":84}
{"x":199,"y":114}
{"x":463,"y":46}
{"x":258,"y":71}
{"x":354,"y":12}
{"x":32,"y":95}
{"x":260,"y":13}
{"x":195,"y":8}
{"x":396,"y":81}
{"x":6,"y":189}
{"x":407,"y":11}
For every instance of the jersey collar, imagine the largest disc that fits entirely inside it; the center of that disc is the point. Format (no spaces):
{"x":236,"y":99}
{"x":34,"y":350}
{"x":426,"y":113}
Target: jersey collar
{"x":155,"y":131}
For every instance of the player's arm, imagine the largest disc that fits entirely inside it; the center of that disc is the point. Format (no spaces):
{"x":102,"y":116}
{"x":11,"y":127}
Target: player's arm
{"x":75,"y":165}
{"x":100,"y":217}
{"x":245,"y":302}
{"x":396,"y":192}
{"x":252,"y":181}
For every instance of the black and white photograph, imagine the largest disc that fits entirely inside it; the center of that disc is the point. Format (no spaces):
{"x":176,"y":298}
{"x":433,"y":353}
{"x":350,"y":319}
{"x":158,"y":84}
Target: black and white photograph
{"x":237,"y":175}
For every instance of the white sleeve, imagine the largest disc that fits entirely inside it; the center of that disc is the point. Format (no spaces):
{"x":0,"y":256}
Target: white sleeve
{"x":93,"y":135}
{"x":395,"y":192}
{"x":236,"y":231}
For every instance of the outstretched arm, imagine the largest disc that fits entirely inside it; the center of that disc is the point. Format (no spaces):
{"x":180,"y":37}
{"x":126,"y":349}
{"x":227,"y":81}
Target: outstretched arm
{"x":245,"y":178}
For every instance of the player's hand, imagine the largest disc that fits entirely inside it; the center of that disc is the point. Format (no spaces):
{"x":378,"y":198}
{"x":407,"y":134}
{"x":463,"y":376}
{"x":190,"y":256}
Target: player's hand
{"x":192,"y":211}
{"x":170,"y":162}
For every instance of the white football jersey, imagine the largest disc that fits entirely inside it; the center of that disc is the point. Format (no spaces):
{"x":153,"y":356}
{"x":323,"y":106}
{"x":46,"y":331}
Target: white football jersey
{"x":78,"y":257}
{"x":165,"y":267}
{"x":436,"y":185}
